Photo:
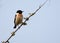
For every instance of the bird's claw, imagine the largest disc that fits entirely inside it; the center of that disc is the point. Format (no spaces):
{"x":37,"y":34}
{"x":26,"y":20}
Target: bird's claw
{"x":24,"y":23}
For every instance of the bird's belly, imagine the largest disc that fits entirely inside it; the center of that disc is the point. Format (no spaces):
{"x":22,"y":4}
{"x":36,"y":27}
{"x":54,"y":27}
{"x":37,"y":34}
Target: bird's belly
{"x":18,"y":20}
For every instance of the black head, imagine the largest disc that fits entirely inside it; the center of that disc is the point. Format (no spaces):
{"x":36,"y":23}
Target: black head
{"x":19,"y":11}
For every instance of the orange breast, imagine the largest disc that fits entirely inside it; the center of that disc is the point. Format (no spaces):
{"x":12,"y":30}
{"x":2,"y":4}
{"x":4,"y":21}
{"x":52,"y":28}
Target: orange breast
{"x":19,"y":15}
{"x":19,"y":19}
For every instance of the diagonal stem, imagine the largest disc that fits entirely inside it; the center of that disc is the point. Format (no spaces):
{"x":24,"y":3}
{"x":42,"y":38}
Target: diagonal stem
{"x":7,"y":41}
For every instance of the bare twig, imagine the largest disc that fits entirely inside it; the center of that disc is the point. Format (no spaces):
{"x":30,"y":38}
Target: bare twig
{"x":13,"y":33}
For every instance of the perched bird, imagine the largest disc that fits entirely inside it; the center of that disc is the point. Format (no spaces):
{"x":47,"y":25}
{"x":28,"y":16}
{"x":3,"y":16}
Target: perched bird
{"x":18,"y":18}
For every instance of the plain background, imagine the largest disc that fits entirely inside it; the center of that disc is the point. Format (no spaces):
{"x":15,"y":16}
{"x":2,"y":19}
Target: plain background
{"x":43,"y":27}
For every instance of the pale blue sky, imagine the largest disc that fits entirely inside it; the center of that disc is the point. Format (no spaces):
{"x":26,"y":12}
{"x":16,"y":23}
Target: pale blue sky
{"x":43,"y":27}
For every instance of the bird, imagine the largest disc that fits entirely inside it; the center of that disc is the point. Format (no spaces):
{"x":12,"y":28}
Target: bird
{"x":18,"y":18}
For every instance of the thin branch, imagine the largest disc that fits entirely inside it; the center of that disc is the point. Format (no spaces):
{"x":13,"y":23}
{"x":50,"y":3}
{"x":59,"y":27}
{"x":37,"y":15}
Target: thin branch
{"x":13,"y":33}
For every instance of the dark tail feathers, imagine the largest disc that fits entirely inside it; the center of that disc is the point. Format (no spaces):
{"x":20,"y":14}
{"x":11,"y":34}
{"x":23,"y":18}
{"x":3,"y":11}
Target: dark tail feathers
{"x":14,"y":26}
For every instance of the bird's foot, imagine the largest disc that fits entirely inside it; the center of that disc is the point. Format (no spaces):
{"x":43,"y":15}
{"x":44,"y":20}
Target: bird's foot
{"x":24,"y":23}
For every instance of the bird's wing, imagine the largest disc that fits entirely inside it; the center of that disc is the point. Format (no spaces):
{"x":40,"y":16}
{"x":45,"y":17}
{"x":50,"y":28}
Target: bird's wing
{"x":15,"y":19}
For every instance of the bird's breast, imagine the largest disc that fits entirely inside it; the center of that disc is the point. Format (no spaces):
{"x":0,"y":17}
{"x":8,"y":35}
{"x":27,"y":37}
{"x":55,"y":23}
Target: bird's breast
{"x":19,"y":19}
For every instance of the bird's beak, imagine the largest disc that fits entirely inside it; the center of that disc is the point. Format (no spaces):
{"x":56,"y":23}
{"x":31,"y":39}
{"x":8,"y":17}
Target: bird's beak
{"x":22,"y":11}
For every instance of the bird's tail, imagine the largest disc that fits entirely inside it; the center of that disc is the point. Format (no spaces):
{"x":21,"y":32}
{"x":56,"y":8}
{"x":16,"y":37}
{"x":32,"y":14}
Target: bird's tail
{"x":14,"y":26}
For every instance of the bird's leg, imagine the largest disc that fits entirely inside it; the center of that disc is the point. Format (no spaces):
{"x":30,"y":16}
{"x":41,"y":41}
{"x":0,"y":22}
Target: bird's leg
{"x":23,"y":23}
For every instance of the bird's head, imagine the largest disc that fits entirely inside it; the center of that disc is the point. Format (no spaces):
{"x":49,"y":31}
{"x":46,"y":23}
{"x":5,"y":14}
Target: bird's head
{"x":19,"y":11}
